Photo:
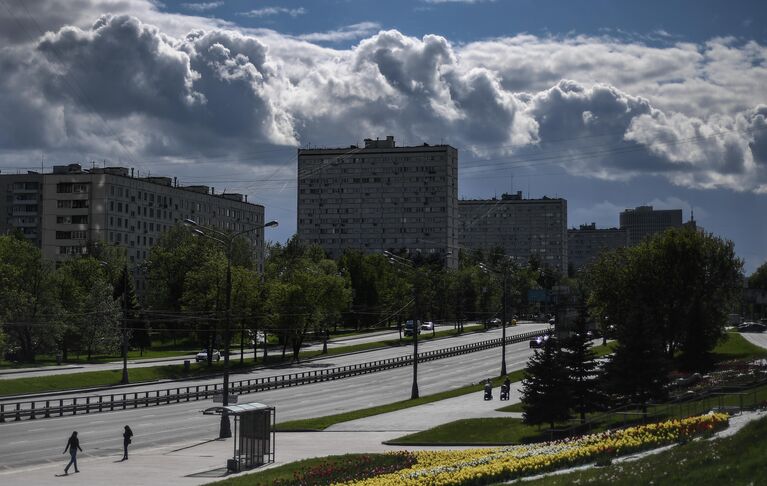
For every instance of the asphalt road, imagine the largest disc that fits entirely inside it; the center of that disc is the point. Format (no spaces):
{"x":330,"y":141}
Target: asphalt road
{"x":312,"y":365}
{"x":27,"y":443}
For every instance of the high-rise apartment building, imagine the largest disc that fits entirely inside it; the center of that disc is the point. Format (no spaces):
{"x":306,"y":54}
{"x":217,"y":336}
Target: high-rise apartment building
{"x":644,"y":221}
{"x":21,"y":197}
{"x":584,"y":245}
{"x":66,"y":211}
{"x":523,"y":228}
{"x":380,"y":197}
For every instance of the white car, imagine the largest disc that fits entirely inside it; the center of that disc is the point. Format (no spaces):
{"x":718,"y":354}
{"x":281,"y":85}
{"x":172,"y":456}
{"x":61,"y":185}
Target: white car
{"x":427,"y":326}
{"x":203,"y":355}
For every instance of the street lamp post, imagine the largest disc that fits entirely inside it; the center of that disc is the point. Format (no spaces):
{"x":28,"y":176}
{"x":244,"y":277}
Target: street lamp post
{"x":124,"y":380}
{"x":504,"y":274}
{"x":405,"y":263}
{"x":226,"y":239}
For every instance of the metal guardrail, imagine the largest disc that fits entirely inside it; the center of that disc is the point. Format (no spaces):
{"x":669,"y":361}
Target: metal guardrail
{"x":37,"y":409}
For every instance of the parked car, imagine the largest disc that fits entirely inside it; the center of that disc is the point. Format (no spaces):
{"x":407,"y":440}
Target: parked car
{"x":203,"y":355}
{"x":752,"y":326}
{"x":409,"y":327}
{"x":427,"y":326}
{"x":495,"y":322}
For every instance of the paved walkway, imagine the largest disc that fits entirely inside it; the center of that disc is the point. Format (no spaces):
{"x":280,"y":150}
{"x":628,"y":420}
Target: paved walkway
{"x":203,"y":462}
{"x":760,"y":339}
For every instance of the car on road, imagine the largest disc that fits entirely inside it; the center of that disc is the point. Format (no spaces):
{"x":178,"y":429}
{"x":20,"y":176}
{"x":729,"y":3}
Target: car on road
{"x":427,"y":326}
{"x":495,"y":322}
{"x":203,"y":355}
{"x":752,"y":326}
{"x":539,"y":341}
{"x":409,"y":327}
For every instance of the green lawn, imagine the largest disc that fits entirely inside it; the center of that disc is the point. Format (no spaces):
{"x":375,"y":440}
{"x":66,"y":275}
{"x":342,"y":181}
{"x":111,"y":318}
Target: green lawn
{"x":512,"y":430}
{"x":88,"y":379}
{"x":322,"y":423}
{"x":153,"y":353}
{"x":735,"y":346}
{"x":735,"y":460}
{"x":481,"y":431}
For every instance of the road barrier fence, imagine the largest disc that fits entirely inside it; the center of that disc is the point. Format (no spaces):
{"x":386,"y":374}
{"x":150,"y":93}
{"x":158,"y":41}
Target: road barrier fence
{"x":37,"y":409}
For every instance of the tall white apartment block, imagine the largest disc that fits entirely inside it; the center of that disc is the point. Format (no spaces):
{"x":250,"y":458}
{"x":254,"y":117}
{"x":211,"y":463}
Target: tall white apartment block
{"x":523,"y":228}
{"x":380,"y":197}
{"x":70,"y":209}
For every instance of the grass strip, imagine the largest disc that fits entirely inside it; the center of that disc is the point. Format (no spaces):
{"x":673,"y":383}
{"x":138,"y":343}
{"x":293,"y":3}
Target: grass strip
{"x":501,"y":431}
{"x":91,"y":379}
{"x":479,"y":432}
{"x":738,"y":459}
{"x":735,"y":346}
{"x":321,"y":423}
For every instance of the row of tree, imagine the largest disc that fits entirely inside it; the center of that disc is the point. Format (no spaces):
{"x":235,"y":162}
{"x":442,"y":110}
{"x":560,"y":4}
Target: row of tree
{"x":71,"y":308}
{"x":659,"y":293}
{"x":666,"y":303}
{"x":301,"y":292}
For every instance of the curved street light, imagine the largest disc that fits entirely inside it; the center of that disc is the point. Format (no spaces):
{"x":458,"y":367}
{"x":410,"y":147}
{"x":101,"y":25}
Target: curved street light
{"x":504,"y":275}
{"x":225,"y":239}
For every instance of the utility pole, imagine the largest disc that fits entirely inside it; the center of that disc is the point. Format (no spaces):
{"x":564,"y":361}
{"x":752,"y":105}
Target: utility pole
{"x":124,"y":380}
{"x":505,"y":319}
{"x":227,"y":241}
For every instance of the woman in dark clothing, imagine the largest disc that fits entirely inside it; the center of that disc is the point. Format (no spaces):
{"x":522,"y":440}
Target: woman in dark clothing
{"x":73,"y":445}
{"x":126,"y":441}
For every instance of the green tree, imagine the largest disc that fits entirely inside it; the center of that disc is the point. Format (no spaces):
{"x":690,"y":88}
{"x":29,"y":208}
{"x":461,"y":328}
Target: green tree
{"x":203,"y":297}
{"x":86,"y":297}
{"x":545,"y":394}
{"x":306,"y":292}
{"x":100,"y":325}
{"x":582,"y":368}
{"x":680,"y":284}
{"x":29,"y":310}
{"x":758,"y":279}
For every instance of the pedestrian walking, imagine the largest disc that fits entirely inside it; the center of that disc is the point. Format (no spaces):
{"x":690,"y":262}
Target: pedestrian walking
{"x":127,"y":435}
{"x":73,"y":445}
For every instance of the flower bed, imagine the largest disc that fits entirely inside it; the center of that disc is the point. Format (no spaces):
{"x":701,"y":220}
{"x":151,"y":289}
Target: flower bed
{"x":350,"y":469}
{"x":488,"y":466}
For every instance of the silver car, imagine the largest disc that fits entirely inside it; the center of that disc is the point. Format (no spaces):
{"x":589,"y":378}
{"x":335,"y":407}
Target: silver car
{"x":203,"y":355}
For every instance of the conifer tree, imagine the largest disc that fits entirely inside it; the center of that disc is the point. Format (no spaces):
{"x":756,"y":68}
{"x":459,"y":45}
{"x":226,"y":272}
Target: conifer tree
{"x":545,"y":395}
{"x":582,"y":368}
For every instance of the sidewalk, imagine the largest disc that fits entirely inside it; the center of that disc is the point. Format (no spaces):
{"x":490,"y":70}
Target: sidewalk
{"x":204,"y":462}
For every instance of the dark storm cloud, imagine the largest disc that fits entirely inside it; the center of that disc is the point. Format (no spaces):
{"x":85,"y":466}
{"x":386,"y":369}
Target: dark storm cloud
{"x":169,"y":85}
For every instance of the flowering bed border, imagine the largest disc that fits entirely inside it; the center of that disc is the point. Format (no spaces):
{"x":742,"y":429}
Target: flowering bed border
{"x":488,"y":466}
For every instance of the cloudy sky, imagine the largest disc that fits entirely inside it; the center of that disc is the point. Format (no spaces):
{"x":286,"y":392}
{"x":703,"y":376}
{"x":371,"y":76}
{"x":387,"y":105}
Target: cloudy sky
{"x":608,"y":104}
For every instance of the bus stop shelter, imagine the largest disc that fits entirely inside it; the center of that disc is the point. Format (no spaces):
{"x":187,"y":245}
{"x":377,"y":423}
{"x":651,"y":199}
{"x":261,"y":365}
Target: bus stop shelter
{"x":253,"y":434}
